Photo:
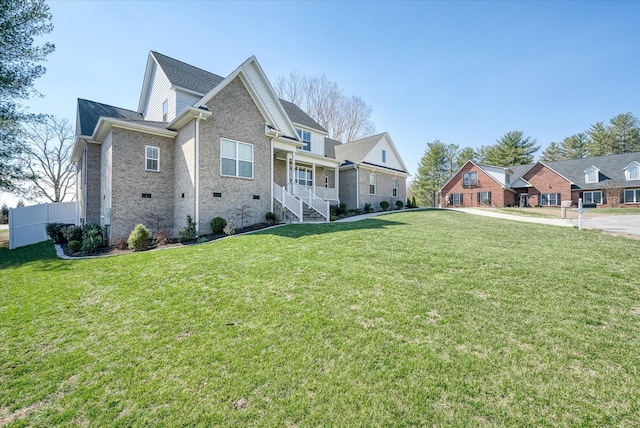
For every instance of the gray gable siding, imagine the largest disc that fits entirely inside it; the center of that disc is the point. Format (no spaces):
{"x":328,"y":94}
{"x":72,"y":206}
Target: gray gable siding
{"x":187,"y":76}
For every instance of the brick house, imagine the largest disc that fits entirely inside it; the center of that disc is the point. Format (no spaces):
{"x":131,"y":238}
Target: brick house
{"x":204,"y":145}
{"x":603,"y":180}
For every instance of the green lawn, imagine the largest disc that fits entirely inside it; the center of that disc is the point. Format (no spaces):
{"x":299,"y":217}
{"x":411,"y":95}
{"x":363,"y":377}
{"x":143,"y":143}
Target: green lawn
{"x":424,"y":318}
{"x":4,"y":238}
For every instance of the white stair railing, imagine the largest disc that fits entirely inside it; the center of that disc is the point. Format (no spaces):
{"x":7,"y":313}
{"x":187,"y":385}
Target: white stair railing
{"x":326,"y":193}
{"x":318,"y":204}
{"x":288,"y":201}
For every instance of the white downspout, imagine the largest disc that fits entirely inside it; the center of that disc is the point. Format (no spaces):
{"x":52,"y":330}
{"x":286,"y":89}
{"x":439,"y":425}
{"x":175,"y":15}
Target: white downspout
{"x":357,"y":187}
{"x":336,"y":181}
{"x":197,"y":174}
{"x":273,"y":178}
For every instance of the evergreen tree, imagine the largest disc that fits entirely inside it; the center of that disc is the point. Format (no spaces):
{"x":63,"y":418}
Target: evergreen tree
{"x":575,"y":147}
{"x":512,"y":149}
{"x":21,"y":21}
{"x":624,"y":133}
{"x":600,"y":143}
{"x":553,"y":152}
{"x":433,"y":172}
{"x":464,"y":155}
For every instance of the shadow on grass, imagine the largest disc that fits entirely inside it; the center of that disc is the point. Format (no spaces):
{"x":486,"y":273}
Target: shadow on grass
{"x":298,"y":230}
{"x":43,"y":253}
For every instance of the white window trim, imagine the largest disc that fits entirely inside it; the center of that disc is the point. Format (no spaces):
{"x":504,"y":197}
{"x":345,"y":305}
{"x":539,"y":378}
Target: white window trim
{"x":469,"y":181}
{"x":394,"y":189}
{"x":147,"y":158}
{"x":627,"y":171}
{"x":237,"y":175}
{"x":306,"y":170}
{"x":635,"y":196}
{"x":592,"y":193}
{"x":373,"y":183}
{"x":301,"y":133}
{"x":586,"y":175}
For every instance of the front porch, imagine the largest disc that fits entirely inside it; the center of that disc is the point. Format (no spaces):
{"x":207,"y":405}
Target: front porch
{"x":304,"y":182}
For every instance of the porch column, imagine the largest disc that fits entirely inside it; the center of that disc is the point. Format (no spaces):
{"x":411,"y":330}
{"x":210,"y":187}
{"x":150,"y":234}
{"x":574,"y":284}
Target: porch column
{"x":293,"y":165}
{"x":288,"y":167}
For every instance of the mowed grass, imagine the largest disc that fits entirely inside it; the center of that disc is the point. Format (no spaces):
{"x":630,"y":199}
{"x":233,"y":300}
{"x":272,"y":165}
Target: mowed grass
{"x":4,"y":238}
{"x":423,"y":318}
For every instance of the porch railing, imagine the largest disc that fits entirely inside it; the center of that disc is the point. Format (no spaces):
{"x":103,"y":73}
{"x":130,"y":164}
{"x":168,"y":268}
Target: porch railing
{"x":318,"y":204}
{"x":288,"y":201}
{"x":326,"y":193}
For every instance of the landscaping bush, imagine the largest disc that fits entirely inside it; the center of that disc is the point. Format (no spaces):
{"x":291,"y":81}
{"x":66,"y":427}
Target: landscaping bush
{"x":367,"y":208}
{"x":74,"y":246}
{"x":270,"y":217}
{"x":92,"y":237}
{"x":72,"y":233}
{"x":229,"y":229}
{"x":188,"y":233}
{"x":163,"y":237}
{"x":218,"y":224}
{"x":139,"y":238}
{"x":384,"y":205}
{"x":54,"y":231}
{"x":121,"y":244}
{"x":399,"y":204}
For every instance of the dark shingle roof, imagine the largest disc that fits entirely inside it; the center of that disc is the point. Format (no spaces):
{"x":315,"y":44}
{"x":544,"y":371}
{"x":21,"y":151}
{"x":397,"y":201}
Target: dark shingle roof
{"x":90,"y":111}
{"x":187,"y":76}
{"x":297,"y":115}
{"x":330,"y":147}
{"x":611,"y":169}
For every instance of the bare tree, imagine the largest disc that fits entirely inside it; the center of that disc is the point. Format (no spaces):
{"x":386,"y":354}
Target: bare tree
{"x":612,"y":191}
{"x":46,"y":143}
{"x":345,"y":118}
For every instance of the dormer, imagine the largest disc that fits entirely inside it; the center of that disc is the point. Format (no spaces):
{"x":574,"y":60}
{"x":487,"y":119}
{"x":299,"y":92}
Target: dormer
{"x":632,"y":171}
{"x":591,"y":175}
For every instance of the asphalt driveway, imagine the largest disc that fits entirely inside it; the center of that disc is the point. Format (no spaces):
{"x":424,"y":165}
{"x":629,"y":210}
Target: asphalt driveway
{"x":625,"y":224}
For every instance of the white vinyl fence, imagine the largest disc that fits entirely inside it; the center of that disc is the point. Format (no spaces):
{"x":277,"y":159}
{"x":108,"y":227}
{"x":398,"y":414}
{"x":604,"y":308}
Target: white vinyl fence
{"x":27,"y":224}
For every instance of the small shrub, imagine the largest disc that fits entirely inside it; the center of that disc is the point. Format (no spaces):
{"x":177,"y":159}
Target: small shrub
{"x":367,"y":208}
{"x":270,"y":217}
{"x":163,"y":237}
{"x":202,"y":240}
{"x":54,"y":231}
{"x":139,"y":238}
{"x":229,"y":229}
{"x":218,"y":224}
{"x":399,"y":205}
{"x":121,"y":244}
{"x":72,"y":233}
{"x":384,"y":205}
{"x":188,"y":233}
{"x":74,"y":246}
{"x":343,"y":208}
{"x":92,"y":237}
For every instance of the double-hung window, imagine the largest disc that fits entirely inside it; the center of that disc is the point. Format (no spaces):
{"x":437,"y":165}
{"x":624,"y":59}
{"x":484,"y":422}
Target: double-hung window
{"x":550,"y":199}
{"x":632,"y":172}
{"x":470,"y":179}
{"x":236,"y":158}
{"x":632,"y":196}
{"x":592,"y":197}
{"x":305,"y":136}
{"x":372,"y":184}
{"x":484,"y":198}
{"x":152,"y":158}
{"x":304,"y":176}
{"x":394,"y":192}
{"x":456,"y":199}
{"x":591,"y":175}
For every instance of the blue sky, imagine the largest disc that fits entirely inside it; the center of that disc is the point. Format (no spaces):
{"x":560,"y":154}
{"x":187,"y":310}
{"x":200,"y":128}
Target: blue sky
{"x":461,"y":72}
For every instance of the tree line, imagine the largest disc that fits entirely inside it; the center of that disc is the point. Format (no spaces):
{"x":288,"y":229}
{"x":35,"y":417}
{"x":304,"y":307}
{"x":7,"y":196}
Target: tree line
{"x":440,"y":160}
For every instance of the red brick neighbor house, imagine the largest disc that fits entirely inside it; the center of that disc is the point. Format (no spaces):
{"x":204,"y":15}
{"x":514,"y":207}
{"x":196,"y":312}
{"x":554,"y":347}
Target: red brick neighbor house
{"x":603,"y":180}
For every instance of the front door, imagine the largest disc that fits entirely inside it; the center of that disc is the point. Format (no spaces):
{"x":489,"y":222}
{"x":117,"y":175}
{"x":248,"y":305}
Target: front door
{"x":523,"y":200}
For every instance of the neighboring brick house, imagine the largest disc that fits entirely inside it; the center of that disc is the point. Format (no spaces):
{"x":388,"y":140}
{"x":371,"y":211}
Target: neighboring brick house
{"x":205,"y":146}
{"x":603,"y":180}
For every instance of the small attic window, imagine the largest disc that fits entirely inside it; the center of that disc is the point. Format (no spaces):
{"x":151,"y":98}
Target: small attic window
{"x":632,"y":172}
{"x":165,"y":110}
{"x":591,"y":175}
{"x":384,"y":156}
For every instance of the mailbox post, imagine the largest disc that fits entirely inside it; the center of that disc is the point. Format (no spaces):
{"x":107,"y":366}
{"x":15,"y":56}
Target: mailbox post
{"x":583,"y":208}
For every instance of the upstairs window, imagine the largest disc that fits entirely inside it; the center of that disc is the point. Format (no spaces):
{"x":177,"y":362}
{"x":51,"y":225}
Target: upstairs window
{"x":305,"y":136}
{"x":165,"y":110}
{"x":372,"y":184}
{"x":236,"y":158}
{"x":591,"y":175}
{"x":470,"y":179}
{"x":632,"y":172}
{"x":384,"y":156}
{"x":152,"y":158}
